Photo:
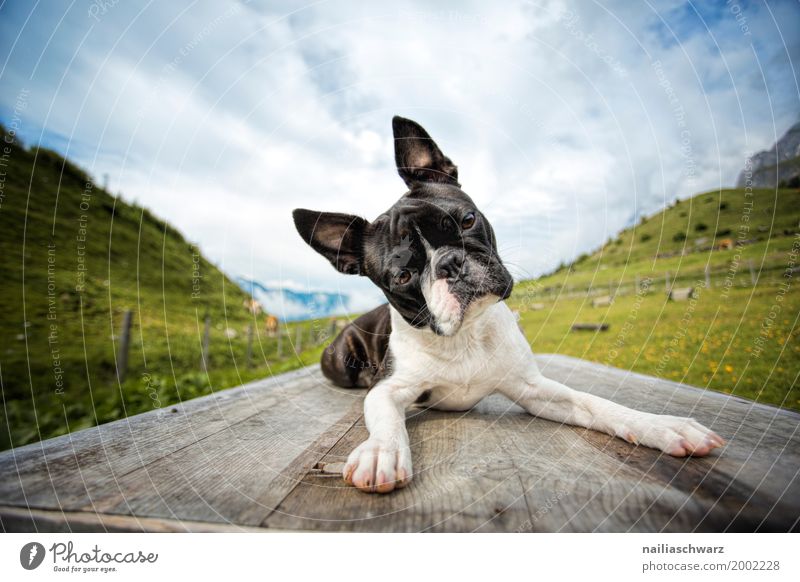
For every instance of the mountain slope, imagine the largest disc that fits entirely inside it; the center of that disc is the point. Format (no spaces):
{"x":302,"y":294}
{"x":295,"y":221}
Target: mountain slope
{"x":296,"y":304}
{"x":779,"y":165}
{"x":74,"y":259}
{"x":684,"y":238}
{"x":733,"y":336}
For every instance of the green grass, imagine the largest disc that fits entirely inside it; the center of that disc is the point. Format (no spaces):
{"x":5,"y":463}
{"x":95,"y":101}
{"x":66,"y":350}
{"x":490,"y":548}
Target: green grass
{"x":733,"y":337}
{"x":708,"y":342}
{"x":133,"y":261}
{"x":764,"y":223}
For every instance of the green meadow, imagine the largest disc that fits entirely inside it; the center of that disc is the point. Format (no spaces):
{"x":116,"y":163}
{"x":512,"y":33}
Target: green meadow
{"x":75,"y":259}
{"x":730,"y":343}
{"x":738,"y":335}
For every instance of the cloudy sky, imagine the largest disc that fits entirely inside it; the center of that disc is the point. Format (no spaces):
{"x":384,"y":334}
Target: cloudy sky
{"x":568,"y":120}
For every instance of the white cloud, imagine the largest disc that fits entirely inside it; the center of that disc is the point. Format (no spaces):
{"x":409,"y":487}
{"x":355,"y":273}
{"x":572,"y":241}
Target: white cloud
{"x":223,"y":120}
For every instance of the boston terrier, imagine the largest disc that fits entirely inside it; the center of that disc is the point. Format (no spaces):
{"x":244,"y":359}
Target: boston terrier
{"x":446,"y":339}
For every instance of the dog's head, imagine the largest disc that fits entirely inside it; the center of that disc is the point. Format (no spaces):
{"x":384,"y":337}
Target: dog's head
{"x":433,"y":254}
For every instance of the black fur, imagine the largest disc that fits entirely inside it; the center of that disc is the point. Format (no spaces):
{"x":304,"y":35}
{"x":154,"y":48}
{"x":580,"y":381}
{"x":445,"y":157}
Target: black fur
{"x":431,"y":214}
{"x":359,"y":356}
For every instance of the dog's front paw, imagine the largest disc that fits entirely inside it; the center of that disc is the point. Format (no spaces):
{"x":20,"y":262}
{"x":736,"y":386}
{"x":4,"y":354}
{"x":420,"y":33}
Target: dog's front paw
{"x":378,"y":466}
{"x":674,"y":435}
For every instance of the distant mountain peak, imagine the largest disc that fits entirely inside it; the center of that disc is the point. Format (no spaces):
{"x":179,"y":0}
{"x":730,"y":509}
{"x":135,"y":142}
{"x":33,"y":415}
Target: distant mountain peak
{"x":295,"y":304}
{"x":779,"y":164}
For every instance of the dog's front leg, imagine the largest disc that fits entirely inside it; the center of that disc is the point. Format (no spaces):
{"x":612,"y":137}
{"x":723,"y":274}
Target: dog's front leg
{"x":383,"y":461}
{"x":676,"y":436}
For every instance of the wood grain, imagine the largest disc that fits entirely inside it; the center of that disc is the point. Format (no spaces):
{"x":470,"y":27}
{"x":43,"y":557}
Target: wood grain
{"x":267,"y":457}
{"x":15,"y":519}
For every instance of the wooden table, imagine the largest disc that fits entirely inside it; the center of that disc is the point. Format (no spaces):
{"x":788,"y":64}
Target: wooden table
{"x":264,"y":457}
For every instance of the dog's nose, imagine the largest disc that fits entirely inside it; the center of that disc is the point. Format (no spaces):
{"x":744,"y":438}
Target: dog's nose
{"x":450,"y":266}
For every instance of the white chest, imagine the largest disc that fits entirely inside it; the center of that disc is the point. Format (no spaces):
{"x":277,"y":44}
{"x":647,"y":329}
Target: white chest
{"x":462,"y":369}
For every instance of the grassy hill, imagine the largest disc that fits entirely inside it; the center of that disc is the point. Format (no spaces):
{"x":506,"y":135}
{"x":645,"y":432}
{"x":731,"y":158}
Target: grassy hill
{"x":734,"y":336}
{"x":74,"y":259}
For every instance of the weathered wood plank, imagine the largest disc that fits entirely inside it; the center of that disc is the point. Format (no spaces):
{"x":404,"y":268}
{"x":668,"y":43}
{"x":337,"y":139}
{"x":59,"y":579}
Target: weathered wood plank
{"x":238,"y":475}
{"x":572,"y":479}
{"x":74,"y":471}
{"x":762,"y":440}
{"x":249,"y":457}
{"x":570,"y":487}
{"x":461,"y":483}
{"x":754,"y":478}
{"x":477,"y":469}
{"x":15,"y":519}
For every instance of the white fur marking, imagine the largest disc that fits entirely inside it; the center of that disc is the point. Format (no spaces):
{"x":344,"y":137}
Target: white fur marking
{"x":444,"y":307}
{"x":489,"y":354}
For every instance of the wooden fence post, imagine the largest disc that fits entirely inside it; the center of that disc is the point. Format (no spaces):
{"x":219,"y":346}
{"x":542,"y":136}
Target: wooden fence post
{"x":124,"y":346}
{"x":708,"y":277}
{"x":666,"y":281}
{"x":753,"y":277}
{"x":280,"y":340}
{"x":250,"y":346}
{"x":204,"y":347}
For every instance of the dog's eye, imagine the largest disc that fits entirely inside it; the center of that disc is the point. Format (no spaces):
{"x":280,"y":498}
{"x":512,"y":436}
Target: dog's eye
{"x":402,"y":277}
{"x":468,"y":221}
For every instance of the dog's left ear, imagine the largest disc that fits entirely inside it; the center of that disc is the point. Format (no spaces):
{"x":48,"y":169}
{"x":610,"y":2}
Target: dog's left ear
{"x":417,"y":156}
{"x":337,"y":237}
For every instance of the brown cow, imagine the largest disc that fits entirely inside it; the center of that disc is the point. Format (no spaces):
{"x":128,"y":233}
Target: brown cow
{"x":271,"y":323}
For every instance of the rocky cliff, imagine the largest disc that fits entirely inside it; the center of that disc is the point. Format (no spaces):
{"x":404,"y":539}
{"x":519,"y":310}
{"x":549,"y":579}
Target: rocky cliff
{"x":776,"y":166}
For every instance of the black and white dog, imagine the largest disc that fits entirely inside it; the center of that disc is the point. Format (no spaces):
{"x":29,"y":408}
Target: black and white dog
{"x":446,"y":339}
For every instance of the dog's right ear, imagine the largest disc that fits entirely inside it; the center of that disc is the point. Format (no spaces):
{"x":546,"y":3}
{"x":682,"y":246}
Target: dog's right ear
{"x":417,"y":156}
{"x":337,"y":237}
